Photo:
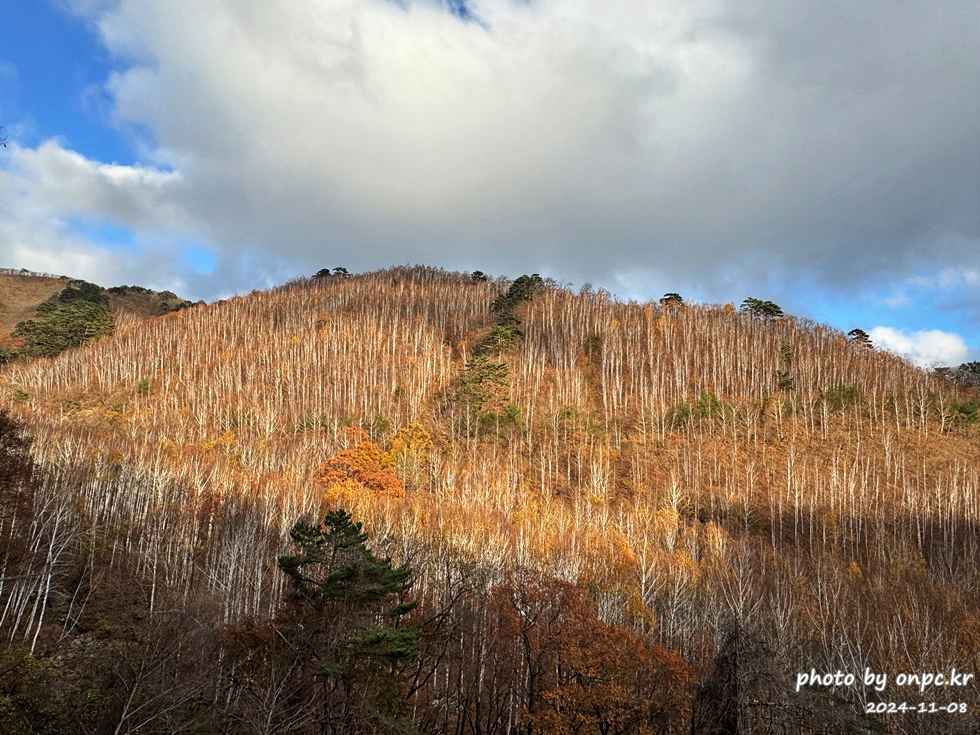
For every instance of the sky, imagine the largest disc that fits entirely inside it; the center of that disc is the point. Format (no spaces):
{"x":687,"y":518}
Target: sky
{"x":821,"y":154}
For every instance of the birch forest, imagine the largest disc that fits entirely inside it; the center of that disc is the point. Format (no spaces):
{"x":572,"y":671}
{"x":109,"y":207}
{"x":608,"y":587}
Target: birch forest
{"x":577,"y":515}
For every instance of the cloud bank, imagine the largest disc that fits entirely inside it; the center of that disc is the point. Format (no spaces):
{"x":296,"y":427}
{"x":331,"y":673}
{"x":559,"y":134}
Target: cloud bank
{"x":926,"y":348}
{"x":706,"y":142}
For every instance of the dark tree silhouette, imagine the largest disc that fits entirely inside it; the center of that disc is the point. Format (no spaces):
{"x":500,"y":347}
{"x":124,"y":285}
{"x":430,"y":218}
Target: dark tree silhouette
{"x":750,"y":692}
{"x":760,"y":308}
{"x":16,"y":468}
{"x":860,"y":337}
{"x":327,"y":273}
{"x":966,"y":375}
{"x":347,"y":606}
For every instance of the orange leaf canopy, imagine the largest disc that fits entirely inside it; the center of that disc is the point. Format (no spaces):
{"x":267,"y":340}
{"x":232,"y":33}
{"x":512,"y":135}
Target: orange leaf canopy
{"x":365,"y":464}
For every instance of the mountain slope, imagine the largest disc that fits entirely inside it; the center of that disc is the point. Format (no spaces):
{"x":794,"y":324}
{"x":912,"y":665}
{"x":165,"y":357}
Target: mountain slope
{"x":687,"y":465}
{"x":20,"y":294}
{"x":33,"y":297}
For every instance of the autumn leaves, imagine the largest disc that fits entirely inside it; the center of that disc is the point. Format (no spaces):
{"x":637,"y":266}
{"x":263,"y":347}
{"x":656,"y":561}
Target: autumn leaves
{"x":364,"y":470}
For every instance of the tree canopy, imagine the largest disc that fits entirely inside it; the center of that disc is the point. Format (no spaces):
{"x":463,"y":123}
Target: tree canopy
{"x":760,"y":308}
{"x":79,"y":313}
{"x":346,"y":626}
{"x":860,"y":337}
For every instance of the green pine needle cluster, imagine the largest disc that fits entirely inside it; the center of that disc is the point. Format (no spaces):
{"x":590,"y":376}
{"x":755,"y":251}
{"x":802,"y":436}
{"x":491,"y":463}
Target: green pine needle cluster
{"x":335,"y":575}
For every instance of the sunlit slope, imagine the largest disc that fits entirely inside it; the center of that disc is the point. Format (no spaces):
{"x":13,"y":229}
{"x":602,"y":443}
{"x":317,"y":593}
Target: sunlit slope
{"x":646,"y":452}
{"x":20,"y":293}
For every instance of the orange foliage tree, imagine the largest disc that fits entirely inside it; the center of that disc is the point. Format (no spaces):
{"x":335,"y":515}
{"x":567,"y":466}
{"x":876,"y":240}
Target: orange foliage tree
{"x":581,"y":675}
{"x":361,"y":469}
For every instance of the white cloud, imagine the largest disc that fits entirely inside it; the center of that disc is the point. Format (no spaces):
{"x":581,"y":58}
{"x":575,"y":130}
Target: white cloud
{"x":697,"y":137}
{"x":62,"y":181}
{"x":923,"y":348}
{"x":47,"y":197}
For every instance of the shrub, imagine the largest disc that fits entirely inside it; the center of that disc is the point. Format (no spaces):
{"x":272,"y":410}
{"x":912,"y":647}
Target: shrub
{"x":591,"y":345}
{"x":969,"y":410}
{"x":361,"y":469}
{"x":843,"y":395}
{"x":784,"y":379}
{"x":680,"y":413}
{"x":501,"y":337}
{"x":377,"y":426}
{"x":311,"y":422}
{"x":126,"y":289}
{"x":83,"y":291}
{"x":708,"y":406}
{"x":478,"y":381}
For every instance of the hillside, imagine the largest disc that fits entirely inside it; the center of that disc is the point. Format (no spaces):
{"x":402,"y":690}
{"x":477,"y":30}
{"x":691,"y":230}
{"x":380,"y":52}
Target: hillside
{"x":21,"y":293}
{"x":709,"y":479}
{"x":26,"y":296}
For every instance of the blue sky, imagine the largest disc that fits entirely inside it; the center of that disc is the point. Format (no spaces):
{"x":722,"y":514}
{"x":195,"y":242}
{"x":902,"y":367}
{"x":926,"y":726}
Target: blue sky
{"x":824,"y":156}
{"x":53,"y":78}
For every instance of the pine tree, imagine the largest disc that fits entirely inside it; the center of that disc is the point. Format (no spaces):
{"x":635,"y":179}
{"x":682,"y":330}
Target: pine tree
{"x":347,"y":608}
{"x":762,"y":309}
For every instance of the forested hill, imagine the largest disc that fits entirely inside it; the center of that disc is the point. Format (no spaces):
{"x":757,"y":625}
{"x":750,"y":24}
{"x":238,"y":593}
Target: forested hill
{"x":42,"y":314}
{"x":614,"y":517}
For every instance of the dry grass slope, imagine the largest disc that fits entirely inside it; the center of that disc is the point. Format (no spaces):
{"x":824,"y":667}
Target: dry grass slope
{"x":21,"y":292}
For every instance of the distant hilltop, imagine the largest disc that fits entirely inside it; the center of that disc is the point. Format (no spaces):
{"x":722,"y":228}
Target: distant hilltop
{"x":42,"y":314}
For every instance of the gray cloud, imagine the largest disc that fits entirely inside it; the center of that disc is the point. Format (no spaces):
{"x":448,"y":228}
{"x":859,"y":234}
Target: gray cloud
{"x":704,"y":142}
